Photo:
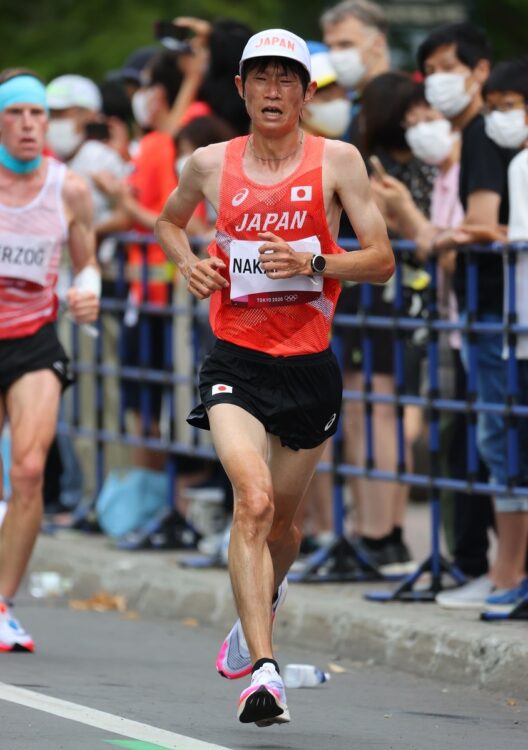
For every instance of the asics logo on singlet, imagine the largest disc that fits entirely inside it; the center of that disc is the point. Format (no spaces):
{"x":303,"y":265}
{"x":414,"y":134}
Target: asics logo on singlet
{"x":330,"y":422}
{"x":240,"y":197}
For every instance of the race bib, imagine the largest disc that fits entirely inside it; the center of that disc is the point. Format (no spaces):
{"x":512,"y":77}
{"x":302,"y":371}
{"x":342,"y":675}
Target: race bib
{"x":25,"y":257}
{"x":252,"y":288}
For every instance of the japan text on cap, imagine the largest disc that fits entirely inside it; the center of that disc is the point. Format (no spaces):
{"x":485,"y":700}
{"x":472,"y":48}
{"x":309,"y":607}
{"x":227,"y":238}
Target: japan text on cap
{"x":277,"y":43}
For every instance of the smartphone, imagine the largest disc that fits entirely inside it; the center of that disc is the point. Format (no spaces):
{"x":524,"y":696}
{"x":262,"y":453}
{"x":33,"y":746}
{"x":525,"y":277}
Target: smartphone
{"x":171,"y":36}
{"x":97,"y":131}
{"x":377,"y":166}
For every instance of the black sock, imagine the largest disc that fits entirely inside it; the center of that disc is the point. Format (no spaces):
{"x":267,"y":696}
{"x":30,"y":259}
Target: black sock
{"x":275,"y":597}
{"x":397,"y":535}
{"x":260,"y":662}
{"x":373,"y":544}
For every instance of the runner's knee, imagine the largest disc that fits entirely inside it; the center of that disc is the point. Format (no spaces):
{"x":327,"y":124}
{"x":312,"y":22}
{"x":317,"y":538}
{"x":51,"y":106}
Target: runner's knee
{"x":254,"y":510}
{"x":27,"y":473}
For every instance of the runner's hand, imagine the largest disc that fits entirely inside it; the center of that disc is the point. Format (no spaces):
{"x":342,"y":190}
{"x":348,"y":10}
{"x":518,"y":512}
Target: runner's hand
{"x":83,"y":306}
{"x":203,"y":279}
{"x":280,"y":261}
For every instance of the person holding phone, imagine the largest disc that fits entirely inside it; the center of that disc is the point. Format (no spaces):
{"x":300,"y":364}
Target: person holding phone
{"x":271,"y":387}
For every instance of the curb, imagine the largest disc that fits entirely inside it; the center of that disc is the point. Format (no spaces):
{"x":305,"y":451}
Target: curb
{"x":423,"y":639}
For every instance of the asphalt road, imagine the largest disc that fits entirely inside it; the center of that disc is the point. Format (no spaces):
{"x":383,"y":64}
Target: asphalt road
{"x":144,"y":684}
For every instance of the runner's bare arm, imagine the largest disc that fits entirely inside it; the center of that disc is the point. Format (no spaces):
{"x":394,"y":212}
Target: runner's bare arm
{"x":202,"y":275}
{"x":345,"y":184}
{"x":83,"y":297}
{"x":374,"y":262}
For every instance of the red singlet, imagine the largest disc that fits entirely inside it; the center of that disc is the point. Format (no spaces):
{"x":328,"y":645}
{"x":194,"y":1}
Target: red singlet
{"x":282,"y":317}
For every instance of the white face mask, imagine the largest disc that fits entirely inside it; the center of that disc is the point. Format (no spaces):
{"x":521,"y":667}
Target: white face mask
{"x":180,"y":162}
{"x":447,"y":93}
{"x":141,"y":107}
{"x":431,"y":142}
{"x":507,"y":129}
{"x":349,"y":66}
{"x":330,"y":119}
{"x":63,"y":137}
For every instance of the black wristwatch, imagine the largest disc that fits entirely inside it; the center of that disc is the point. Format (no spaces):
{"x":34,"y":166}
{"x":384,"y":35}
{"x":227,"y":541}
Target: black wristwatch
{"x":318,"y":264}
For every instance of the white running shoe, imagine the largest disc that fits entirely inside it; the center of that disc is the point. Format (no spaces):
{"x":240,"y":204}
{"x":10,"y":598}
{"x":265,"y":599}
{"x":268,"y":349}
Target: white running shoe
{"x":264,"y":701}
{"x":13,"y":637}
{"x":233,"y":660}
{"x":471,"y":595}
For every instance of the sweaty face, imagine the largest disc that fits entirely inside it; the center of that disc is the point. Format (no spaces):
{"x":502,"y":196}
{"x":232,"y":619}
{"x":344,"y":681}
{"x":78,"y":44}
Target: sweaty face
{"x":274,"y":97}
{"x":23,"y":130}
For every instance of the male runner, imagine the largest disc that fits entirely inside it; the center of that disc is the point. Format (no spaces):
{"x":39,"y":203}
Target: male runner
{"x":271,"y":387}
{"x":42,"y":205}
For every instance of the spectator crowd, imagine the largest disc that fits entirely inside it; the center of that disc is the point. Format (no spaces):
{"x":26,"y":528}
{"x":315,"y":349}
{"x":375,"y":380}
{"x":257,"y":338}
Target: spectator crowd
{"x":445,"y":147}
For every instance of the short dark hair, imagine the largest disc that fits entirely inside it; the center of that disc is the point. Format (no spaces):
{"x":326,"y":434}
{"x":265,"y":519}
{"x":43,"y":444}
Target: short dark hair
{"x":9,"y":73}
{"x":384,"y":103}
{"x":115,"y":100}
{"x":471,"y":44}
{"x":164,"y":69}
{"x":413,"y":97}
{"x":282,"y":64}
{"x":202,"y":131}
{"x":511,"y":75}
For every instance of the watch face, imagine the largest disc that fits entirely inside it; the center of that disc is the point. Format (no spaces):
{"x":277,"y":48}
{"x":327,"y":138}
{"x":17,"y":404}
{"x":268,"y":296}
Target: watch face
{"x":318,"y":263}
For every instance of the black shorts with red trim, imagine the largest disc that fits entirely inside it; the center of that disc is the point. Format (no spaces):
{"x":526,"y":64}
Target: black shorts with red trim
{"x":296,"y":398}
{"x":39,"y":351}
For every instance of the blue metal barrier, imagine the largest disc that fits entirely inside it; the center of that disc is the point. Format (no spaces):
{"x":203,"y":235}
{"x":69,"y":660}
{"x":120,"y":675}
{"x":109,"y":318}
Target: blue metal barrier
{"x":170,"y":377}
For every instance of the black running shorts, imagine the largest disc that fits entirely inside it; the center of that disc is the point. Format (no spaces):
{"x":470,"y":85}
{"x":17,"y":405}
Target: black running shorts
{"x":296,"y":398}
{"x":40,"y":351}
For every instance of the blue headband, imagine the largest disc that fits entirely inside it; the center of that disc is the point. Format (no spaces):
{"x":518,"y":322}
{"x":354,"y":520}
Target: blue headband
{"x":22,"y":90}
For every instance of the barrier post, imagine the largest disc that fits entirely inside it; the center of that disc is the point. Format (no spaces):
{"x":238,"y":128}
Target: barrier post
{"x":435,"y":564}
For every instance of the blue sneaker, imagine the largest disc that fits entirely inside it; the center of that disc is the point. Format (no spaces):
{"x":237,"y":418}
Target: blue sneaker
{"x":506,"y":601}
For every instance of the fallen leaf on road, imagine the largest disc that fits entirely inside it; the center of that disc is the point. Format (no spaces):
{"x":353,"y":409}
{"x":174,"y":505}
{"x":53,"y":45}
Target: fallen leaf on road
{"x":190,"y":622}
{"x":130,"y":615}
{"x":336,"y":668}
{"x":102,"y":601}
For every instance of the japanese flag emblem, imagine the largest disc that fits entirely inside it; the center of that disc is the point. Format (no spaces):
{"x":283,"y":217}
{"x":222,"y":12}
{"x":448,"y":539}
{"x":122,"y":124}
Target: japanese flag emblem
{"x":301,"y":193}
{"x":220,"y":388}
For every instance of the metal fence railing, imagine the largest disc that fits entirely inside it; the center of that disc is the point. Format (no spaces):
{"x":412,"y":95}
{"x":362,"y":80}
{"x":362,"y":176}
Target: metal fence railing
{"x":100,"y":364}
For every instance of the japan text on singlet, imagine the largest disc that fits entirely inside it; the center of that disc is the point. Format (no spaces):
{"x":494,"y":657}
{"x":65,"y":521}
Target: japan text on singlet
{"x":31,"y":240}
{"x":283,"y":317}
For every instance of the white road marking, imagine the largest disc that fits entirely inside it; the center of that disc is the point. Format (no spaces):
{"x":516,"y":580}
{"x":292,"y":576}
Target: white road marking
{"x":108,"y":722}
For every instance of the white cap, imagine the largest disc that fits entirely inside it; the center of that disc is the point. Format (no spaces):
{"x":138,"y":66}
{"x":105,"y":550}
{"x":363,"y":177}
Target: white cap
{"x":322,"y":69}
{"x":73,"y":91}
{"x":277,"y":43}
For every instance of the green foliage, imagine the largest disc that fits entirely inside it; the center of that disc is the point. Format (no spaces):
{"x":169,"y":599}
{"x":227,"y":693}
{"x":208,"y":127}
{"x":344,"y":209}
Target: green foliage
{"x":506,"y":23}
{"x":91,"y":37}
